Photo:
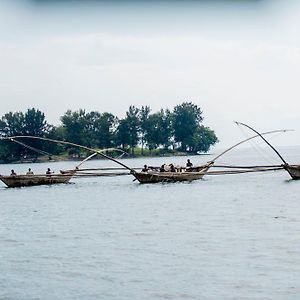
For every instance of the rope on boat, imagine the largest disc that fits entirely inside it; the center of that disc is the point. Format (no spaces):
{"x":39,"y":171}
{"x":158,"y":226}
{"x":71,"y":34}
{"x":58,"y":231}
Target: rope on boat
{"x":238,"y":170}
{"x":230,"y":172}
{"x":110,"y":174}
{"x":76,"y":171}
{"x":247,"y":167}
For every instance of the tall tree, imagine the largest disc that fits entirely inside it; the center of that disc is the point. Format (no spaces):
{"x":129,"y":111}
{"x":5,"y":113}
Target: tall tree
{"x":122,"y":134}
{"x":100,"y":129}
{"x":132,"y":119}
{"x":186,"y":119}
{"x":12,"y":124}
{"x":32,"y":123}
{"x":75,"y":124}
{"x":159,"y":129}
{"x":35,"y":123}
{"x":203,"y":139}
{"x":143,"y":118}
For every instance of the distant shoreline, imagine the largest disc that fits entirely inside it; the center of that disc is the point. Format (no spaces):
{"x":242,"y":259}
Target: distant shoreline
{"x":72,"y":158}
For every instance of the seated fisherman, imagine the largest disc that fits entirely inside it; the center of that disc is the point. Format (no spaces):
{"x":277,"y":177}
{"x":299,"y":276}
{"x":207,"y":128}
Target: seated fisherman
{"x":162,"y":168}
{"x":172,"y":168}
{"x":145,"y":169}
{"x":189,"y":164}
{"x":29,"y":172}
{"x":13,"y":173}
{"x":48,"y":172}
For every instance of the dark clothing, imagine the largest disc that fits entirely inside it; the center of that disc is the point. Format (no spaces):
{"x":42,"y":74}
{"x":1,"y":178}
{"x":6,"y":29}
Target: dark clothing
{"x":189,"y":164}
{"x":172,"y":168}
{"x":145,"y":169}
{"x":162,"y":169}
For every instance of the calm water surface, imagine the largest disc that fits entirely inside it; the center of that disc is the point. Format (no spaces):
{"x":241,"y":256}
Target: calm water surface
{"x":224,"y":237}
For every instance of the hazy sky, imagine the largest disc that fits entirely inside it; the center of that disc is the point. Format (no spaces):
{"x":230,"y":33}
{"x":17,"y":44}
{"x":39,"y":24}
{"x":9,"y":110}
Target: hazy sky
{"x":237,"y":60}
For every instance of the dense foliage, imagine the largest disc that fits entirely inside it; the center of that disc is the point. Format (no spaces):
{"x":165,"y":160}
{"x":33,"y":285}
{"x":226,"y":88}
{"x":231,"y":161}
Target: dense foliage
{"x":180,"y":129}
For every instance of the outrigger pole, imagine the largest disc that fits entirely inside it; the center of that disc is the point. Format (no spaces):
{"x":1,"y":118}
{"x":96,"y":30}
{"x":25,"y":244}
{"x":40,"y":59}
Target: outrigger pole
{"x":259,"y":134}
{"x":248,"y":139}
{"x":12,"y":138}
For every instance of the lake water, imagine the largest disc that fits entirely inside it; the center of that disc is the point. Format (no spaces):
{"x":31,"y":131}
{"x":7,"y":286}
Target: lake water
{"x":223,"y":237}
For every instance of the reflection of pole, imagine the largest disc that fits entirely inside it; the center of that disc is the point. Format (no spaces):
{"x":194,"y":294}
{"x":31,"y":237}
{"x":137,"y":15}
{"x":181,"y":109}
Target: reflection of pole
{"x":67,"y":143}
{"x":239,"y":123}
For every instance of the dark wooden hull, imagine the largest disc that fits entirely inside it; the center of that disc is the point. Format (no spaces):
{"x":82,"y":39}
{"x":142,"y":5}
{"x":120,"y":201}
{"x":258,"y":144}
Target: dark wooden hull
{"x":154,"y":177}
{"x":293,"y":170}
{"x":32,"y":180}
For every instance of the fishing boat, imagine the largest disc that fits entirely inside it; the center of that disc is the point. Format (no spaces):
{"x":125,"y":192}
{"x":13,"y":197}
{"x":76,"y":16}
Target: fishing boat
{"x":47,"y":179}
{"x":32,"y":180}
{"x":293,"y":170}
{"x":151,"y":176}
{"x":155,"y":176}
{"x":193,"y":173}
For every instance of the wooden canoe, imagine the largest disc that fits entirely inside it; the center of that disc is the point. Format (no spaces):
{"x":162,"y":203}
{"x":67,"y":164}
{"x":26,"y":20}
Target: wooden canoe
{"x":32,"y":180}
{"x":154,"y":177}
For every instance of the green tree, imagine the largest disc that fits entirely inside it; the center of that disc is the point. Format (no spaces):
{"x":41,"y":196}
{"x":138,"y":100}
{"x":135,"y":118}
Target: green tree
{"x":56,"y":133}
{"x":122,"y":134}
{"x":143,"y":118}
{"x":132,"y":119}
{"x":75,"y":124}
{"x":159,"y":129}
{"x":35,"y":123}
{"x":100,"y":129}
{"x":31,"y":123}
{"x":12,"y":124}
{"x":186,"y":119}
{"x":203,"y":139}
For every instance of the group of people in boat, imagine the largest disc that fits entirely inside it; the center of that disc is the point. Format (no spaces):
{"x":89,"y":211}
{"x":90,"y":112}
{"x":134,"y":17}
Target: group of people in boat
{"x":30,"y":172}
{"x":169,"y":168}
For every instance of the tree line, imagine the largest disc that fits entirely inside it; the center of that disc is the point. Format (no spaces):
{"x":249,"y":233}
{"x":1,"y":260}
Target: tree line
{"x":178,"y":130}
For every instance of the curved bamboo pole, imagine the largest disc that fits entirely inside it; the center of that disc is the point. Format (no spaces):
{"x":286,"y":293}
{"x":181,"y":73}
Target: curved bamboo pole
{"x":248,"y":139}
{"x":86,"y":159}
{"x":67,"y":143}
{"x":259,"y":134}
{"x":123,"y":165}
{"x":32,"y":148}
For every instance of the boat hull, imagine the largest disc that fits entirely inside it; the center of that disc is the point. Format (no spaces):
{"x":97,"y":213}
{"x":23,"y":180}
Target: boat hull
{"x":145,"y":177}
{"x":32,"y":180}
{"x":293,"y":170}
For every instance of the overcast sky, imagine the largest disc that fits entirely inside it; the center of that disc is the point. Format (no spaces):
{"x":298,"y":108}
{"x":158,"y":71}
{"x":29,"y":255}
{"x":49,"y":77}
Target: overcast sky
{"x":237,"y":60}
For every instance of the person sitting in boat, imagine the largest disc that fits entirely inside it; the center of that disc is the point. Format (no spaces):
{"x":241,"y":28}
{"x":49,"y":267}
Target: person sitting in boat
{"x":189,"y":164}
{"x":29,"y":172}
{"x":13,"y":173}
{"x":48,"y":172}
{"x":162,"y":168}
{"x":145,"y":169}
{"x":172,"y":168}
